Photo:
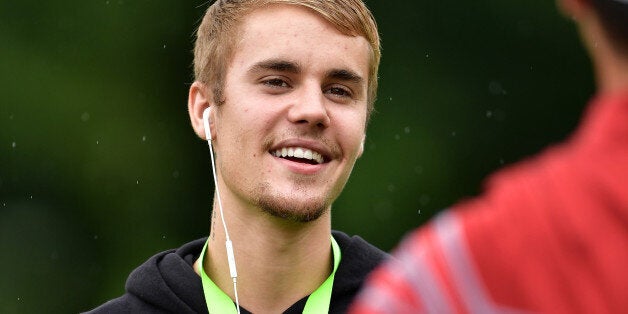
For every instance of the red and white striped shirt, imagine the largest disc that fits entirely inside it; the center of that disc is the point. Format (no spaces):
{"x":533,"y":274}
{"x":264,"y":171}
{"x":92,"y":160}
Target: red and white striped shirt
{"x":550,"y":235}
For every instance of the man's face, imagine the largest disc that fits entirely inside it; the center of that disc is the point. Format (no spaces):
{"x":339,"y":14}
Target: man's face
{"x":293,"y":120}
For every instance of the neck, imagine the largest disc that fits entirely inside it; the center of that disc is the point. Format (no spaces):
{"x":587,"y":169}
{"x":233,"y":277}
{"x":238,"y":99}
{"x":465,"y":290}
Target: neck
{"x":611,"y":71}
{"x":278,"y":262}
{"x":610,"y":64}
{"x":613,"y":78}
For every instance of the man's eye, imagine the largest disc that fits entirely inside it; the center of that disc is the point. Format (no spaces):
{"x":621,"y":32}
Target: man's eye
{"x":339,"y":91}
{"x":275,"y":82}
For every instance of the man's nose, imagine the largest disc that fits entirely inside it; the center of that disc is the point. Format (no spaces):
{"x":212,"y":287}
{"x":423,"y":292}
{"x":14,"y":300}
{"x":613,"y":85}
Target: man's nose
{"x":309,"y":108}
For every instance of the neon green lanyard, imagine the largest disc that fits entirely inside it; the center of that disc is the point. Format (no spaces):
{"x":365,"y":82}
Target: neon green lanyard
{"x":219,"y":302}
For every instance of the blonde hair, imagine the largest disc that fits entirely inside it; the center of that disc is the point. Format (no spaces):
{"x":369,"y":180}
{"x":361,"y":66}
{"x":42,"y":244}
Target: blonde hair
{"x":216,"y":37}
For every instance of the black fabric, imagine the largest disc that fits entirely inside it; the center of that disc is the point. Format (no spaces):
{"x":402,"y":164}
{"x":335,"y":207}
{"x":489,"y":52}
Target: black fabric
{"x":167,"y":283}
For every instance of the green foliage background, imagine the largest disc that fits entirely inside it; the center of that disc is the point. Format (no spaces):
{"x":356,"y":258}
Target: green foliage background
{"x":99,"y":168}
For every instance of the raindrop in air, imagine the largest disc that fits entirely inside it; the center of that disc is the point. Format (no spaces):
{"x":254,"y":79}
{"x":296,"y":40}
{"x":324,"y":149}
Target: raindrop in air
{"x":13,"y":145}
{"x":85,"y":117}
{"x":407,"y":130}
{"x":489,"y":113}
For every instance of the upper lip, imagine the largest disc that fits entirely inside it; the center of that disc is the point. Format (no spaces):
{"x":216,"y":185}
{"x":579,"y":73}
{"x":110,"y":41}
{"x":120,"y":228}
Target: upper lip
{"x":305,"y":143}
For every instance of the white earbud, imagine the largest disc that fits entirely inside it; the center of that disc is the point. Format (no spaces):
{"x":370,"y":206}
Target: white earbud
{"x":208,"y":132}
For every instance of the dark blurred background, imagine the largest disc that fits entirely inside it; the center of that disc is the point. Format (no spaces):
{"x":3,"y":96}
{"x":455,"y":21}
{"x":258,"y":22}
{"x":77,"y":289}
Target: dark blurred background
{"x":99,"y":168}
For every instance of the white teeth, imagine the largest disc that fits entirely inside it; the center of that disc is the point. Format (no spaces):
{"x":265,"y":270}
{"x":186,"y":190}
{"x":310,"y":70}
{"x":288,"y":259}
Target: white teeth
{"x":299,"y":152}
{"x":317,"y":157}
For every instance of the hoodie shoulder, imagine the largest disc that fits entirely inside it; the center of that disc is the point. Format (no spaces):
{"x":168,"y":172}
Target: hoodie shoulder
{"x":165,"y":283}
{"x":358,"y":256}
{"x":359,"y":259}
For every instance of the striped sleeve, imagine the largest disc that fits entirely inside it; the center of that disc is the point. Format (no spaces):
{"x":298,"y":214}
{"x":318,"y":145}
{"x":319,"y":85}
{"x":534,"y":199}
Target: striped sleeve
{"x":432,"y":272}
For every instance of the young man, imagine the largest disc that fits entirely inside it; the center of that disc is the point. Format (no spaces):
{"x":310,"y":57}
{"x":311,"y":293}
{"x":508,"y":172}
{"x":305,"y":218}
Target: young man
{"x":550,"y":235}
{"x":290,"y":85}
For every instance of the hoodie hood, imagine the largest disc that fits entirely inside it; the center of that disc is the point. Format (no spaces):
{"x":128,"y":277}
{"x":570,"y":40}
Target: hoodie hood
{"x":167,"y":283}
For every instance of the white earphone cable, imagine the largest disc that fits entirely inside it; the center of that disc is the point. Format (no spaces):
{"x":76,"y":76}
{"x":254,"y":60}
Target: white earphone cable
{"x":228,"y":244}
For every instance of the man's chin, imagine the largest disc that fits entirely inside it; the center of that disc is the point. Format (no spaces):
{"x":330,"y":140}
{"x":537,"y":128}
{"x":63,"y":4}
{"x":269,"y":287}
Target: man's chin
{"x":299,"y":212}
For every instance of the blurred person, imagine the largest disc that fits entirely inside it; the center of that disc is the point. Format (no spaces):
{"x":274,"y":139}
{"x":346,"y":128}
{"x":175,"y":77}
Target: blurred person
{"x":291,"y":85}
{"x":549,"y":235}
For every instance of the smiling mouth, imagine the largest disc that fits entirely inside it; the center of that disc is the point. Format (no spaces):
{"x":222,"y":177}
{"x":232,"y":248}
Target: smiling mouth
{"x":299,"y":154}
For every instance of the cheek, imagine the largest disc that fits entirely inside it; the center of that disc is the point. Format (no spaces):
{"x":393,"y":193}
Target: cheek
{"x":352,"y":144}
{"x":351,"y":131}
{"x":357,"y":147}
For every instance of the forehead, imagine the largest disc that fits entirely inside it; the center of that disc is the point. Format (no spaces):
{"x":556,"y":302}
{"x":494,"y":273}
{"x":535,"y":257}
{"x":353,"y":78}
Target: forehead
{"x":298,"y":34}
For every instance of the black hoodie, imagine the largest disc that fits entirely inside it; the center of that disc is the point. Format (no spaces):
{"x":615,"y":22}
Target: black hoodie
{"x":167,"y":283}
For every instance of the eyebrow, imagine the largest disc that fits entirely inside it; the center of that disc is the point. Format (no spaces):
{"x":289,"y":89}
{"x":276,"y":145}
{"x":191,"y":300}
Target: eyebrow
{"x":276,"y":65}
{"x":345,"y":75}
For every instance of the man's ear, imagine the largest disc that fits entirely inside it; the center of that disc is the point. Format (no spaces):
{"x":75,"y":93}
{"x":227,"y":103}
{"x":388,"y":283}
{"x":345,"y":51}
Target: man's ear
{"x":199,"y":98}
